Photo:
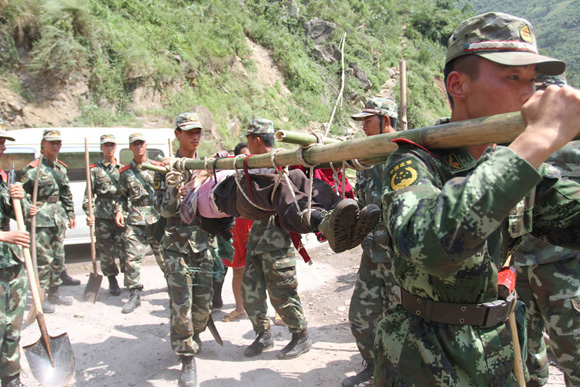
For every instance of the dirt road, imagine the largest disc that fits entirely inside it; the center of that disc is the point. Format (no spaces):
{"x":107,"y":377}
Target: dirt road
{"x":113,"y":349}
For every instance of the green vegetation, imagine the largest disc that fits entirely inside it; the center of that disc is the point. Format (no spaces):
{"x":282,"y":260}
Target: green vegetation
{"x":556,"y":23}
{"x":187,"y":51}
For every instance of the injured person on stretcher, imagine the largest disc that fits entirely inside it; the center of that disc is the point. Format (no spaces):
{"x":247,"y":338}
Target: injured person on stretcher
{"x":259,"y":193}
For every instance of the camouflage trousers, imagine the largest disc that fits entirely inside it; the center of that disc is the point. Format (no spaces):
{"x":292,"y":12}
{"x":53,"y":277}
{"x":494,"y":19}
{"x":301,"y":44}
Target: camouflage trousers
{"x":375,"y":290}
{"x":189,"y":284}
{"x":136,"y":240}
{"x":551,"y":292}
{"x":50,"y":255}
{"x":275,"y":272}
{"x":110,"y":244}
{"x":13,"y":288}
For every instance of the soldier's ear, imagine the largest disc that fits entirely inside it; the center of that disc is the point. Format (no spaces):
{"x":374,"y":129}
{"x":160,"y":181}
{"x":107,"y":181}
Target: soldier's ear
{"x":455,"y":85}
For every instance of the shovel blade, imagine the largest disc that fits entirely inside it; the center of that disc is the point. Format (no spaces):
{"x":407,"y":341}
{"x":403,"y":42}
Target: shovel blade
{"x":42,"y":367}
{"x":93,"y":287}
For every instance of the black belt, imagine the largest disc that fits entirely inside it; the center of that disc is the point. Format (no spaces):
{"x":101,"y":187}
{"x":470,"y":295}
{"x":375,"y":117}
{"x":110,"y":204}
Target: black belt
{"x":49,"y":199}
{"x":142,"y":202}
{"x":174,"y":221}
{"x":106,"y":197}
{"x":484,"y":315}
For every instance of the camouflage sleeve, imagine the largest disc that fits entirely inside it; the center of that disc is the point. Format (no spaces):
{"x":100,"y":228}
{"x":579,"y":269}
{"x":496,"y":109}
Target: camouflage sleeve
{"x":66,"y":196}
{"x":122,"y":205}
{"x":26,"y":181}
{"x":440,"y":225}
{"x":359,"y":190}
{"x":166,"y":199}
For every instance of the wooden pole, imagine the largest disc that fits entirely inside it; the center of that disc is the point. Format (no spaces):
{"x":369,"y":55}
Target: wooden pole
{"x":300,"y":138}
{"x":403,"y":107}
{"x":500,"y":129}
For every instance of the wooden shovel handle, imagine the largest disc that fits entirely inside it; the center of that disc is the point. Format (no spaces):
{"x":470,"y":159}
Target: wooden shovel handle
{"x":90,"y":197}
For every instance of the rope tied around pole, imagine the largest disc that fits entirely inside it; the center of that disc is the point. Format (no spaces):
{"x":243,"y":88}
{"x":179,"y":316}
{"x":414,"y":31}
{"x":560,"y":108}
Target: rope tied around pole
{"x":283,"y":174}
{"x":177,"y":175}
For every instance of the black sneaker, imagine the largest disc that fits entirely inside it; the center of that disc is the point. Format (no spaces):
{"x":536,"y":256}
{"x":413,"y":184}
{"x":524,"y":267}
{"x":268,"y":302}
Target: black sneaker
{"x":363,"y":378}
{"x":114,"y":289}
{"x":338,"y":224}
{"x":263,"y":341}
{"x":188,"y":377}
{"x":67,"y":280}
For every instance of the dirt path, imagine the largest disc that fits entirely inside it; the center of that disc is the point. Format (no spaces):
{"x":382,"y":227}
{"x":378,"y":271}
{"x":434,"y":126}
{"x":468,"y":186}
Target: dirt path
{"x":113,"y":349}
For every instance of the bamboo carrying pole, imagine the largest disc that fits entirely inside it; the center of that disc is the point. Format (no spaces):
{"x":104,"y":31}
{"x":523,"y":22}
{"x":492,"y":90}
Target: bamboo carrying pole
{"x":500,"y":129}
{"x":300,"y":138}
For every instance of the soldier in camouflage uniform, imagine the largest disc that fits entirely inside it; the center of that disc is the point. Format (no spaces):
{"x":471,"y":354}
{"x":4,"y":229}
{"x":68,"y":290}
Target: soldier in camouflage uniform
{"x":376,"y":287}
{"x":189,"y":266}
{"x":454,"y":216}
{"x":547,"y":282}
{"x":271,"y":266}
{"x":135,"y":210}
{"x":13,"y":282}
{"x":110,"y":242}
{"x":55,"y":208}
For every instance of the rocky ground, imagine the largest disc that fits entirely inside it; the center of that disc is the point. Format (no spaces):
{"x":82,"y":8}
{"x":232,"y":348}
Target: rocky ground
{"x":114,"y":349}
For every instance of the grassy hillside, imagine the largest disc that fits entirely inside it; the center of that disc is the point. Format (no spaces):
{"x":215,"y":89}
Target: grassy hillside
{"x":194,"y":53}
{"x":556,"y":23}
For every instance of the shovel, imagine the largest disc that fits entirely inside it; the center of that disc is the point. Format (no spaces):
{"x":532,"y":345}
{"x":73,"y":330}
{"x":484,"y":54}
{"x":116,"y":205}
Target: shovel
{"x":95,"y":279}
{"x":51,"y":359}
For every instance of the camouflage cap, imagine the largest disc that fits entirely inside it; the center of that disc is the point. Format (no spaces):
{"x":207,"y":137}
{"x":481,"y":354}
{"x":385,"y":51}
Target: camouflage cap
{"x":51,"y":135}
{"x":136,"y":137}
{"x":500,"y":38}
{"x":3,"y":132}
{"x":260,"y":126}
{"x":378,"y":106}
{"x":105,"y":138}
{"x":188,"y":121}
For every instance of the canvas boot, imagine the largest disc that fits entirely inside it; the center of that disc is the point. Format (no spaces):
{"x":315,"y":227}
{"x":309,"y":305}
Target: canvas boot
{"x":263,"y":341}
{"x":133,"y":303}
{"x":12,"y":381}
{"x":363,"y":378}
{"x":197,"y":339}
{"x":47,"y":307}
{"x":55,"y":298}
{"x":299,"y":344}
{"x":188,"y":377}
{"x":114,"y":289}
{"x":368,"y":218}
{"x":337,"y":225}
{"x":67,"y":280}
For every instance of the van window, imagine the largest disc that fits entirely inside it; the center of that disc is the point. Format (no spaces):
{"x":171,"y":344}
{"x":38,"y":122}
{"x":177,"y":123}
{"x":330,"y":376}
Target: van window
{"x":19,"y":156}
{"x":75,"y":162}
{"x":126,"y":156}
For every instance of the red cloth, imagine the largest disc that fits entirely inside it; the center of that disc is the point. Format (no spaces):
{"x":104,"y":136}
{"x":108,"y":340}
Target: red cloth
{"x":240,"y":232}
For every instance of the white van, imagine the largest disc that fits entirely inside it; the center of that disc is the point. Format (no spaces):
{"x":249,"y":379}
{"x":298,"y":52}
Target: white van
{"x":26,"y":148}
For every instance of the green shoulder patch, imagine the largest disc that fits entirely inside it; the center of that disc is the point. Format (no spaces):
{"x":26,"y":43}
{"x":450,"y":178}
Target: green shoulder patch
{"x":403,"y":174}
{"x":157,"y":182}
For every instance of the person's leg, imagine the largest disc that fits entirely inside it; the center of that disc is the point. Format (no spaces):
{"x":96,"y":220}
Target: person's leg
{"x":555,"y":286}
{"x":57,"y":265}
{"x":238,"y":274}
{"x":537,"y":360}
{"x":155,"y":246}
{"x":44,"y":256}
{"x":254,"y":293}
{"x":136,"y":244}
{"x":201,"y":267}
{"x":105,"y":232}
{"x":13,"y":289}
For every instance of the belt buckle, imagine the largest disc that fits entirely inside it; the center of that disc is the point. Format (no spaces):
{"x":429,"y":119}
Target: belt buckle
{"x":498,"y":311}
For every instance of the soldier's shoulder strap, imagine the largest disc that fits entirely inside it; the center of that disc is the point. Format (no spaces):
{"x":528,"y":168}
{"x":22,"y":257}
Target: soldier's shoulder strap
{"x":428,"y":157}
{"x":33,"y":163}
{"x":66,"y":166}
{"x":93,"y":165}
{"x":125,"y":168}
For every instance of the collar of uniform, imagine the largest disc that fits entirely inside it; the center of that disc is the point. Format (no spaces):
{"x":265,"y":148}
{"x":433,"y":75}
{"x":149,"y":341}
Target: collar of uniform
{"x":195,"y":156}
{"x":458,"y":160}
{"x":48,"y":162}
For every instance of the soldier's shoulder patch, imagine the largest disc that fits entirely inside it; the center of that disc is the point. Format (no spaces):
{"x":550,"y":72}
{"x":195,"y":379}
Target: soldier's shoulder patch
{"x":453,"y":161}
{"x":33,"y":163}
{"x":3,"y":175}
{"x":64,"y":165}
{"x":403,"y":173}
{"x":157,"y":182}
{"x":158,"y":163}
{"x":125,"y":168}
{"x":93,"y":165}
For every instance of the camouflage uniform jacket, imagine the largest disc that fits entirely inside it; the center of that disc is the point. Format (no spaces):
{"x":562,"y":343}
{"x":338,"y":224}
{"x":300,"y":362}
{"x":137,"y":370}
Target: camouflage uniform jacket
{"x":368,"y":190}
{"x":105,"y":186}
{"x":135,"y":200}
{"x":265,"y":236}
{"x":10,"y":254}
{"x":53,"y":192}
{"x":453,"y":221}
{"x":177,"y":236}
{"x":533,"y":250}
